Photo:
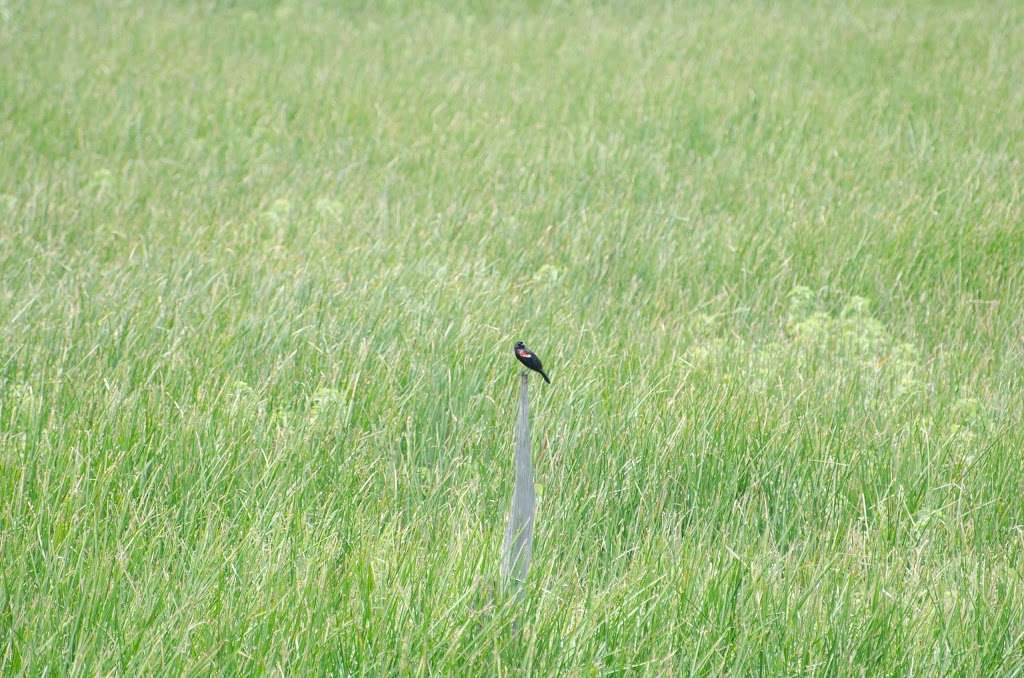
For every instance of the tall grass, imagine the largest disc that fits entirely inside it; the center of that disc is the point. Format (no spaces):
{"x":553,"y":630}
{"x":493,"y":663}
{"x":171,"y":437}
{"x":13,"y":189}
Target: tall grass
{"x":262,"y":265}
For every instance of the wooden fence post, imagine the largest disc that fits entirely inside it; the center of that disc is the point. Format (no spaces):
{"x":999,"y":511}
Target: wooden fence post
{"x":518,"y":545}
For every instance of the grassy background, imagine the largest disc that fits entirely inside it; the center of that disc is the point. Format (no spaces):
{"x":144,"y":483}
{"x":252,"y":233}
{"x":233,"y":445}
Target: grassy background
{"x":262,"y":265}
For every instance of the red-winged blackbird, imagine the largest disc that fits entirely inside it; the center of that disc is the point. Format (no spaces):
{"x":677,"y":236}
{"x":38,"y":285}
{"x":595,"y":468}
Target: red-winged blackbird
{"x":530,"y":359}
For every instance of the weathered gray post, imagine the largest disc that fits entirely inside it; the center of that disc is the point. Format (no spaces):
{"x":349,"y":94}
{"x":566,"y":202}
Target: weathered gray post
{"x":518,"y":544}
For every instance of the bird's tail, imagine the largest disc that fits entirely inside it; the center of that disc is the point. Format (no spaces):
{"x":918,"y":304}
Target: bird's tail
{"x":543,"y":374}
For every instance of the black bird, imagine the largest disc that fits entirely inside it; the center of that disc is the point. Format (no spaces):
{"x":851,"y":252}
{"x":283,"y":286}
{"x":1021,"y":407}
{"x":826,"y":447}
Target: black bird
{"x":530,"y":359}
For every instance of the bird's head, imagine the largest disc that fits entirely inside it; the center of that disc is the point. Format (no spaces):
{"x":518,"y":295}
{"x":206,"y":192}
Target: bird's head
{"x":520,"y":344}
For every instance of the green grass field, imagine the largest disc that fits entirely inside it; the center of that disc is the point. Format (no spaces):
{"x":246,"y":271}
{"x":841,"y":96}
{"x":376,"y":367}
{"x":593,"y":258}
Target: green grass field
{"x":262,"y":265}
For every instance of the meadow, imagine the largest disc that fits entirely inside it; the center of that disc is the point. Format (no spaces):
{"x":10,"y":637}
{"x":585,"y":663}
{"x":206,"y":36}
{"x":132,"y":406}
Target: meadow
{"x":262,"y":265}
